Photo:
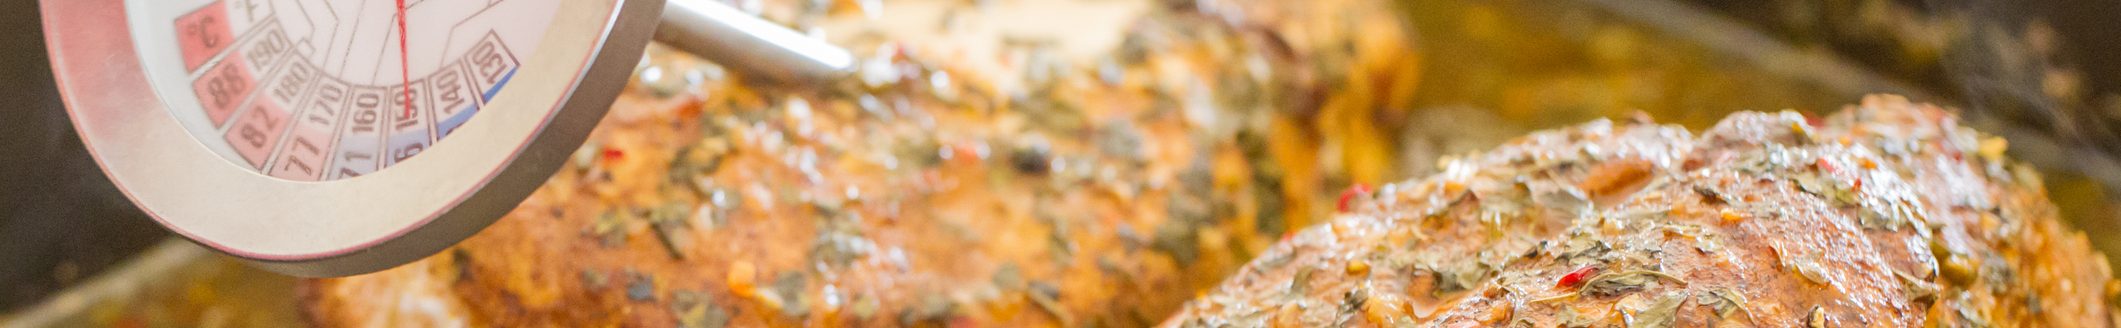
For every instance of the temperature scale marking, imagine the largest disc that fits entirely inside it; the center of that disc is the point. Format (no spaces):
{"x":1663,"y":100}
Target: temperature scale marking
{"x":203,"y":33}
{"x":303,"y":122}
{"x":190,"y":105}
{"x":223,"y":87}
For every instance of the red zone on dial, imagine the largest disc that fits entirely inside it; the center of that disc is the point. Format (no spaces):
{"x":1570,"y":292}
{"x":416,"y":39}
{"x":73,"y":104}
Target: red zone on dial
{"x":298,"y":123}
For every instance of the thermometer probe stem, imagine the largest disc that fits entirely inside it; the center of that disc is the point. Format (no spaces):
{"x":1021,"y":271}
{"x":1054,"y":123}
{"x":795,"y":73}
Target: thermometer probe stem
{"x":749,"y":45}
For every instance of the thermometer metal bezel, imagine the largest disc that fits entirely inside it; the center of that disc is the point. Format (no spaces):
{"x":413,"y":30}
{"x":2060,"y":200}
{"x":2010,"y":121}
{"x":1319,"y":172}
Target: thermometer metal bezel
{"x":347,"y":226}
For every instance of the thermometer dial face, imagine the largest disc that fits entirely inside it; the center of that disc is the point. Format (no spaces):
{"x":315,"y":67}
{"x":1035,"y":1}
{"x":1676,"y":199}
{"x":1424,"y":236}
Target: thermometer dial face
{"x":313,"y":90}
{"x":335,"y":137}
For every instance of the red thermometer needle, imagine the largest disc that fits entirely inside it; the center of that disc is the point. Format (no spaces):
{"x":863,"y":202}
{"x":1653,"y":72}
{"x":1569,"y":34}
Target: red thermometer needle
{"x":404,"y":65}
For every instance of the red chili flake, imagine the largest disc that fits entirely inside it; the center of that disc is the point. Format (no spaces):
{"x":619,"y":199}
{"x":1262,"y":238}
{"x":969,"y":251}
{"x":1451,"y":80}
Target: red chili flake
{"x":613,"y":154}
{"x":1354,"y":190}
{"x":1814,"y":120}
{"x":1826,"y":166}
{"x":1576,"y":278}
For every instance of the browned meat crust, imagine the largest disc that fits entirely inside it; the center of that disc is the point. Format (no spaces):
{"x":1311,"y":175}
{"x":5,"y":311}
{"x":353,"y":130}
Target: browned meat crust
{"x":1886,"y":214}
{"x":1104,"y":192}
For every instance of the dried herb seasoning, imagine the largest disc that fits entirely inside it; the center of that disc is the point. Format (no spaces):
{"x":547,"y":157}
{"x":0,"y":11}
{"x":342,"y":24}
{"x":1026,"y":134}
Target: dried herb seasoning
{"x":1725,"y":301}
{"x":1811,"y":271}
{"x":1661,"y":313}
{"x":1817,"y":318}
{"x":696,"y":310}
{"x":790,"y":288}
{"x":640,"y":286}
{"x":1616,"y":283}
{"x":1917,"y":289}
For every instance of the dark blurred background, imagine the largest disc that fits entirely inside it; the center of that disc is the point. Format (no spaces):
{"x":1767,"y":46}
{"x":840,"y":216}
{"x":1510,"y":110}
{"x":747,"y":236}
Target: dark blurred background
{"x":60,"y":219}
{"x":2046,"y":64}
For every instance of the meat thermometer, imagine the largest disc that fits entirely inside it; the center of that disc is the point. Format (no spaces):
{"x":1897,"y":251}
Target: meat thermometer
{"x":337,"y":137}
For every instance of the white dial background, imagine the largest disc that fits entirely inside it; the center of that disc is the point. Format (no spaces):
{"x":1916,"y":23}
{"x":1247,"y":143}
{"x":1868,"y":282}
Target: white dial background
{"x":311,"y":89}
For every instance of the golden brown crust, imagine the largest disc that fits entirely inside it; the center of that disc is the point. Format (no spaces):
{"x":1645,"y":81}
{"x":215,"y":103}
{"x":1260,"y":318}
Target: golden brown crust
{"x":1886,"y":214}
{"x":1103,"y":193}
